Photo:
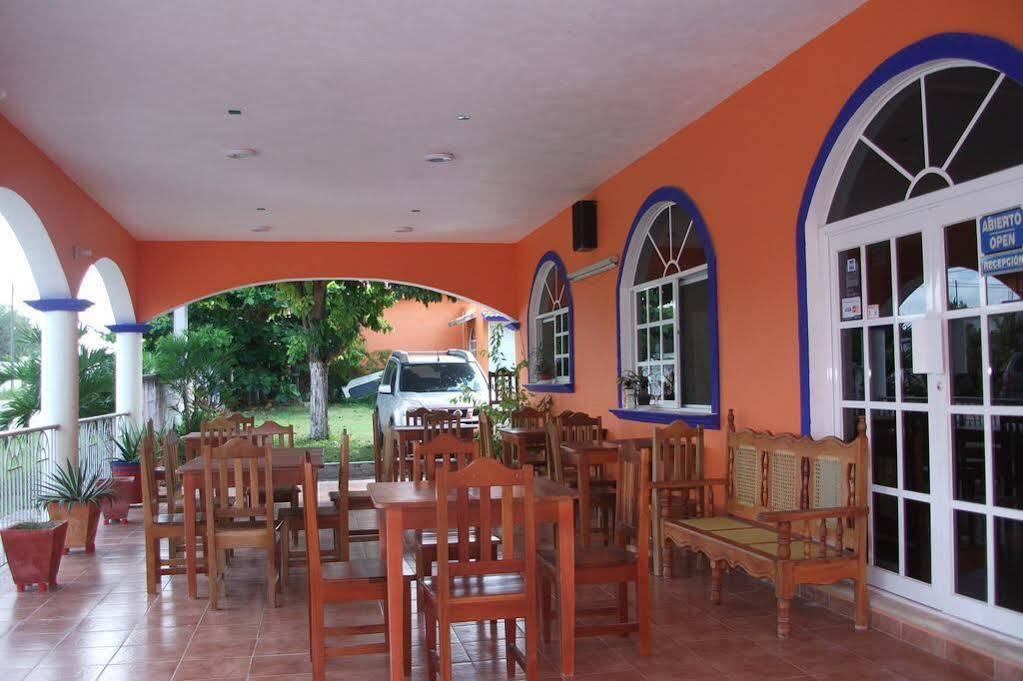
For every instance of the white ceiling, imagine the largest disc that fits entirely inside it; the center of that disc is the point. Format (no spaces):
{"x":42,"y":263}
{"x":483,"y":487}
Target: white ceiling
{"x":344,"y":99}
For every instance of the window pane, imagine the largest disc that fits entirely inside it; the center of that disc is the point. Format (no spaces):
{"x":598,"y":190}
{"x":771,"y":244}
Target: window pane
{"x":996,"y":141}
{"x":1005,"y":343}
{"x":545,"y":367}
{"x":694,"y":350}
{"x":667,"y":301}
{"x":668,"y":382}
{"x":953,"y":96}
{"x":1004,"y":288}
{"x":882,"y":363}
{"x":884,"y":455}
{"x":910,"y":269}
{"x":968,"y":457}
{"x":1009,"y":563}
{"x":654,"y":373}
{"x":849,"y":288}
{"x":867,"y":182}
{"x":654,"y":251}
{"x":641,"y":312}
{"x":914,"y":386}
{"x":916,"y":458}
{"x":965,"y":360}
{"x":962,"y":275}
{"x":971,"y":555}
{"x":641,"y":345}
{"x":917,"y":515}
{"x":886,"y":531}
{"x":1007,"y":458}
{"x":653,"y":304}
{"x":668,"y":341}
{"x":850,"y":423}
{"x":879,"y":280}
{"x":898,"y":129}
{"x":852,"y":364}
{"x":655,"y":342}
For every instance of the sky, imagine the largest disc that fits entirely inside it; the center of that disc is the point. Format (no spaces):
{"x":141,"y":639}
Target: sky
{"x":15,"y":274}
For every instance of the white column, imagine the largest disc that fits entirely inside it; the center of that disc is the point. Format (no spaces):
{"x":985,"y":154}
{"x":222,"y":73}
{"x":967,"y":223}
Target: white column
{"x":180,"y":320}
{"x":58,"y":359}
{"x":128,"y":372}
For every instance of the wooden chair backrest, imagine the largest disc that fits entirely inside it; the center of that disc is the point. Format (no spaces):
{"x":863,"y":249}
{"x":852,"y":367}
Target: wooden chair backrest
{"x":415,"y":417}
{"x":486,"y":435}
{"x":150,"y":489}
{"x":527,"y":417}
{"x":242,"y":421}
{"x":479,"y":480}
{"x":503,"y":384}
{"x":378,"y":447}
{"x":314,"y":566}
{"x":170,"y":467}
{"x":581,"y":427}
{"x":441,"y":422}
{"x":633,"y":499}
{"x":677,"y":455}
{"x":217,"y":432}
{"x":389,"y":470}
{"x":786,"y":472}
{"x":554,"y":467}
{"x":343,"y":493}
{"x":238,"y":469}
{"x":443,"y":451}
{"x":272,"y":434}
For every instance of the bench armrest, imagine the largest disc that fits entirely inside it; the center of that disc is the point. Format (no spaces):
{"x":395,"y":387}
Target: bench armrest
{"x":812,"y":514}
{"x":687,"y":484}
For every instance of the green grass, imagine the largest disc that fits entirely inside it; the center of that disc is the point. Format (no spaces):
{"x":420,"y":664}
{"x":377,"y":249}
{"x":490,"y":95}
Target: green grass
{"x":357,"y":417}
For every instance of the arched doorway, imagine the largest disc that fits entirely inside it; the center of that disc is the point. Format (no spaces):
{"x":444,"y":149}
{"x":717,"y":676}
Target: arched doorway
{"x":917,"y":319}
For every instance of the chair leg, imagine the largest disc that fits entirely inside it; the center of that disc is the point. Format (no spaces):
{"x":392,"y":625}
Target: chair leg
{"x":531,"y":645}
{"x":623,"y":602}
{"x":295,"y":505}
{"x":152,"y":565}
{"x":424,"y":567}
{"x":666,"y":562}
{"x":862,"y":608}
{"x":784,"y":623}
{"x":545,"y":608}
{"x":407,"y":626}
{"x":431,"y":638}
{"x":716,"y":570}
{"x":643,"y":610}
{"x":271,"y":575}
{"x":444,"y":646}
{"x":285,"y":547}
{"x":509,"y":645}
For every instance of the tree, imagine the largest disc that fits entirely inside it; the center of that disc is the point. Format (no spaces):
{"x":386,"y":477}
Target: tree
{"x":197,"y":366}
{"x":21,"y":401}
{"x":15,"y":330}
{"x":331,"y":316}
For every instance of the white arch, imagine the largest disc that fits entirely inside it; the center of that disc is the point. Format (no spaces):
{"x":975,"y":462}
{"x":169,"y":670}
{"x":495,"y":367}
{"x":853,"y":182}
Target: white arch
{"x":117,"y":290}
{"x":35,"y":241}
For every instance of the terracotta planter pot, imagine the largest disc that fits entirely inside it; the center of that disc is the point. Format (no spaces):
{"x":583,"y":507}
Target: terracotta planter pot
{"x":117,"y":509}
{"x":82,"y":523}
{"x":123,"y":469}
{"x":33,"y":554}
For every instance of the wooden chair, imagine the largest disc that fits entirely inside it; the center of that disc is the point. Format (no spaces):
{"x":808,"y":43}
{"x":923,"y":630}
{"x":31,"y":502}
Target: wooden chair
{"x":414,"y":417}
{"x":795,"y":513}
{"x":503,"y":384}
{"x":170,"y":495}
{"x":215,"y":433}
{"x":440,"y":422}
{"x":161,"y":524}
{"x":345,"y":500}
{"x":275,"y":436}
{"x":350,"y":581}
{"x":677,"y":455}
{"x":613,"y":564}
{"x":242,"y":422}
{"x":486,"y":436}
{"x":240,"y":521}
{"x":581,"y":427}
{"x":378,"y":448}
{"x":491,"y":587}
{"x":528,"y":417}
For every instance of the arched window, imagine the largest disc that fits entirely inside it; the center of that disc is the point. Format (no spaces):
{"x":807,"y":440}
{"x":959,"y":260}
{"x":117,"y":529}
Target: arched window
{"x":550,"y":328}
{"x":667,"y":312}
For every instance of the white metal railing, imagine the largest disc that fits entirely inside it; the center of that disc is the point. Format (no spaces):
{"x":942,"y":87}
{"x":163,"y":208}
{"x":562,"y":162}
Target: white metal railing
{"x":27,"y":457}
{"x":96,"y":436}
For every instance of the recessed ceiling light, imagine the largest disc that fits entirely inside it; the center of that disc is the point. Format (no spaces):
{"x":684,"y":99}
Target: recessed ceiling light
{"x":262,"y":228}
{"x":261,"y":210}
{"x":234,"y":112}
{"x":441,"y":157}
{"x":415,"y":210}
{"x":464,"y":116}
{"x":240,"y":154}
{"x":403,"y":230}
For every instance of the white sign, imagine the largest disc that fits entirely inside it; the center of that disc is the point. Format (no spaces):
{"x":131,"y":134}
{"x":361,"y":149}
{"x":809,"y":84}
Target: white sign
{"x":851,"y":308}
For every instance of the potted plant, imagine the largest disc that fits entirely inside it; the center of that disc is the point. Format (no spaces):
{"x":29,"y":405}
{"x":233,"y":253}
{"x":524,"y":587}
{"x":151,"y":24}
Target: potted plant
{"x":541,"y":366}
{"x":74,"y":493}
{"x":127,"y":465}
{"x":629,"y":382}
{"x":117,"y":507}
{"x":34,"y":550}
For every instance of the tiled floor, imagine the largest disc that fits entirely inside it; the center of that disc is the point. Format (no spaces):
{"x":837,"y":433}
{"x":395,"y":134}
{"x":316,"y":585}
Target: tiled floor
{"x":101,"y":624}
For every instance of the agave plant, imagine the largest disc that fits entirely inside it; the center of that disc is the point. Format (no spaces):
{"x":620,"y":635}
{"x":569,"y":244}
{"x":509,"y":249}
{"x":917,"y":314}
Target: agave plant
{"x":74,"y":484}
{"x":129,"y":442}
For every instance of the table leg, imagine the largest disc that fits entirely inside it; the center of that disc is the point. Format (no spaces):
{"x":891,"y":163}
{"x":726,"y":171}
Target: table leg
{"x":190,"y":539}
{"x":584,"y":499}
{"x":391,"y":553}
{"x":566,"y":586}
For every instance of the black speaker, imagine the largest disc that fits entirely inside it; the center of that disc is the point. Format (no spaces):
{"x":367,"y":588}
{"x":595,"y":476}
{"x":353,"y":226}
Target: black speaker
{"x":584,"y":225}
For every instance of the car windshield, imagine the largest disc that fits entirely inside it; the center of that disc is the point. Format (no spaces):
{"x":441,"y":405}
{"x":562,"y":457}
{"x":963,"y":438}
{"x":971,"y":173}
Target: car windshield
{"x":438,"y":378}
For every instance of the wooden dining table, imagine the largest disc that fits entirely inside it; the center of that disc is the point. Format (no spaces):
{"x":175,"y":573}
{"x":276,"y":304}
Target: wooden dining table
{"x":286,"y":467}
{"x":583,"y":456}
{"x":519,"y":440}
{"x":404,"y":436}
{"x":413,"y":506}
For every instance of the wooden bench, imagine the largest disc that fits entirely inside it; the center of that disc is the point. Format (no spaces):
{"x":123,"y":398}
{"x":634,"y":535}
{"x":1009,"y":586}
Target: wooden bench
{"x":795,"y":512}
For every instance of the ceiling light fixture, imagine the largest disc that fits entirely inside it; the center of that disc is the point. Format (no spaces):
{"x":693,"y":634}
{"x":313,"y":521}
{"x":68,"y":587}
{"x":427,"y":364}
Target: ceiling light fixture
{"x":415,"y":210}
{"x":464,"y":117}
{"x":240,"y":154}
{"x":441,"y":157}
{"x":234,"y":112}
{"x":403,"y":230}
{"x":261,"y":210}
{"x":262,"y":228}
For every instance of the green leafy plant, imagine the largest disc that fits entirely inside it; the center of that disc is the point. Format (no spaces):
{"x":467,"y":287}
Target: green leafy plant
{"x":129,"y":442}
{"x":74,"y":484}
{"x":631,"y":381}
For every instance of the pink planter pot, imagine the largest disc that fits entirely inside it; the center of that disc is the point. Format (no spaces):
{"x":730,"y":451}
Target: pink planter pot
{"x":117,"y":508}
{"x":34,"y":551}
{"x":124,"y":469}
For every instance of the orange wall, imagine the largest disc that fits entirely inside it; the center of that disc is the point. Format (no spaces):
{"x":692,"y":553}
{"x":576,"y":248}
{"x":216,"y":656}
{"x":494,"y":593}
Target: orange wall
{"x":69,"y":215}
{"x":415,"y":326}
{"x":745,"y":164}
{"x":173,"y":273}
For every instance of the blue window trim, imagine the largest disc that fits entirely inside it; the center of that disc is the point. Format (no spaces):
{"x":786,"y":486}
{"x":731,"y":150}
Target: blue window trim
{"x":129,"y":328}
{"x":568,"y":387}
{"x":713,"y":419}
{"x":59,"y":304}
{"x":981,"y":49}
